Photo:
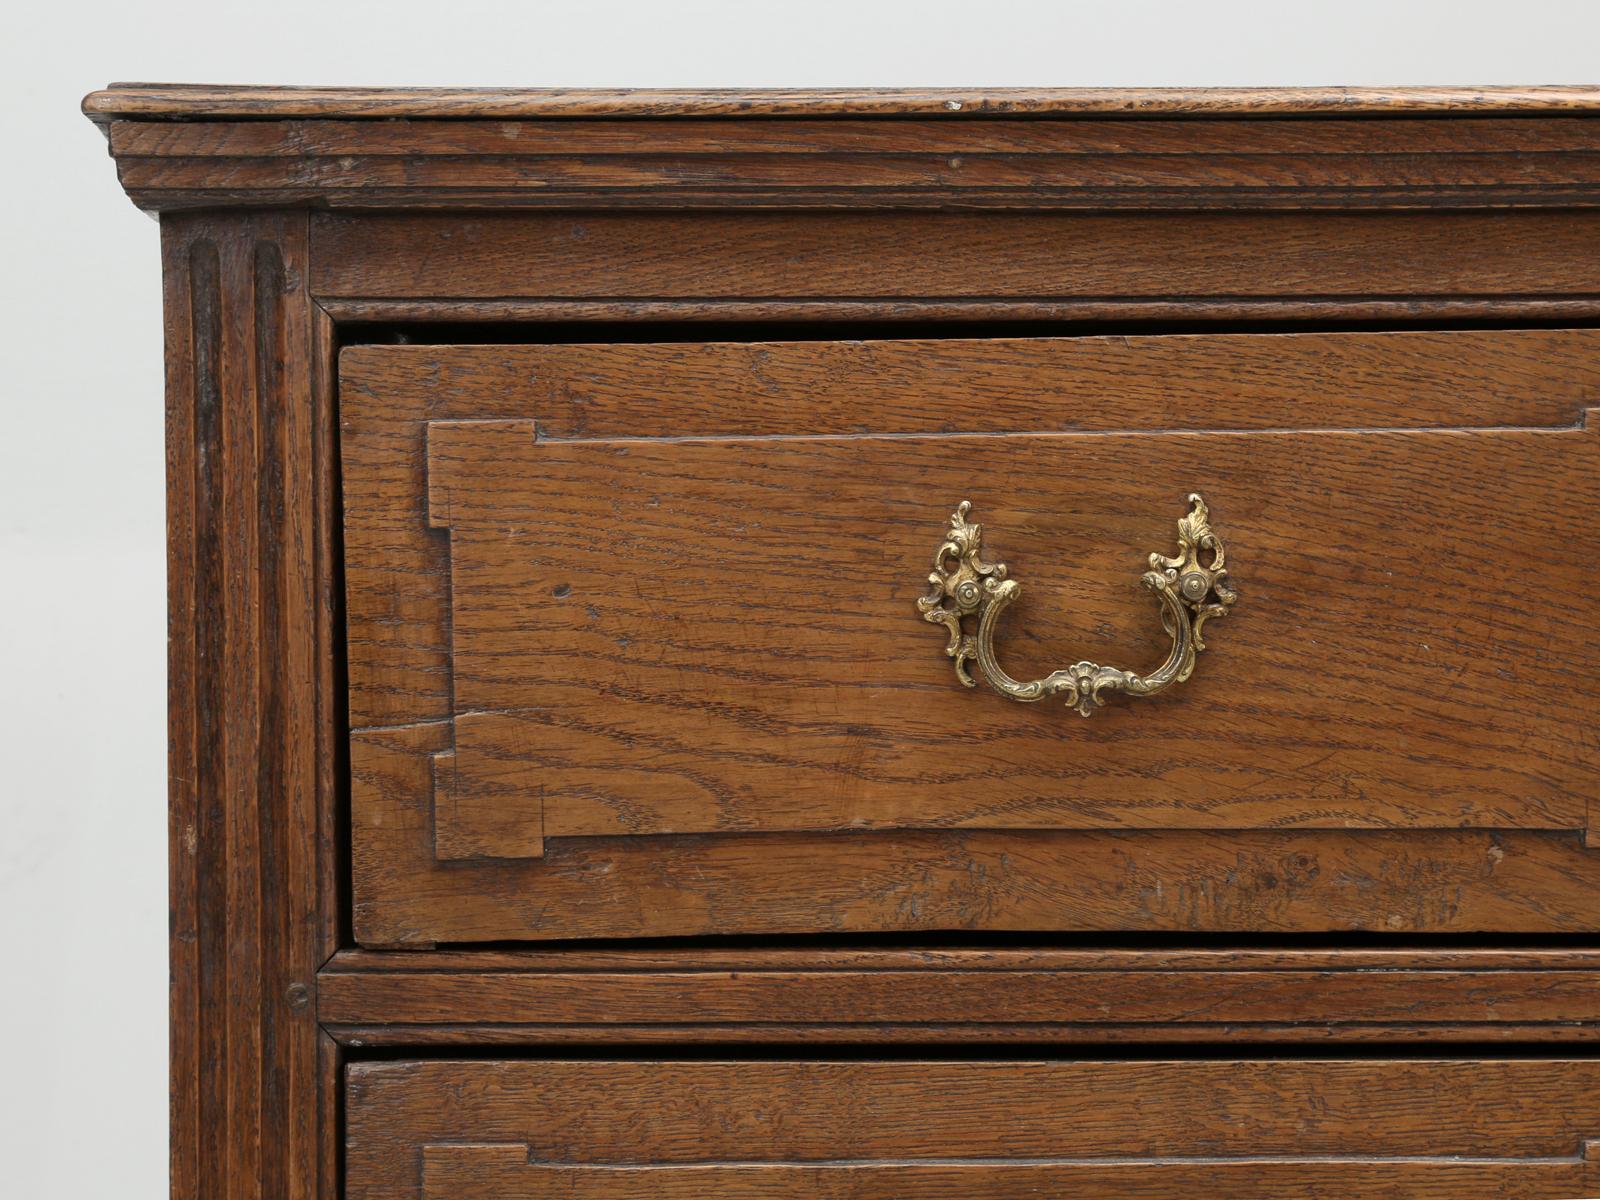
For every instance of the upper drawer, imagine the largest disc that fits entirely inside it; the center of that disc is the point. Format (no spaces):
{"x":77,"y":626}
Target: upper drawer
{"x":636,"y":645}
{"x":955,"y":1130}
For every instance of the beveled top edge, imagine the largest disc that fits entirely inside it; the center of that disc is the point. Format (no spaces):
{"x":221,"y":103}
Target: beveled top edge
{"x":203,"y":102}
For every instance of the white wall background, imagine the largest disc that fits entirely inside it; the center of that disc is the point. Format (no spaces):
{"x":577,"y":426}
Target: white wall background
{"x":83,"y":1088}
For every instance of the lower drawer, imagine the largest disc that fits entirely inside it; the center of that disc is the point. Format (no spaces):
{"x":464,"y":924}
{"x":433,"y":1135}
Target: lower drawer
{"x":454,"y":1130}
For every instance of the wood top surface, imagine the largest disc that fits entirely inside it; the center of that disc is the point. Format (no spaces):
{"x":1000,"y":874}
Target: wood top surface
{"x":210,"y":102}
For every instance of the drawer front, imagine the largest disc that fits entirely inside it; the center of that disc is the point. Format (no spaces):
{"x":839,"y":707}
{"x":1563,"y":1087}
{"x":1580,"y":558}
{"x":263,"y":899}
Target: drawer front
{"x":953,"y":1130}
{"x":637,"y":648}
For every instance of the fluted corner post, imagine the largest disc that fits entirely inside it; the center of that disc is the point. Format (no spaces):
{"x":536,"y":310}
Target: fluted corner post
{"x":252,"y":707}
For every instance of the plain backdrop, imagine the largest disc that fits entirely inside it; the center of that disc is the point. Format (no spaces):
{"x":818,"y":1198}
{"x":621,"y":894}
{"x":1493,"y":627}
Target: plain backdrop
{"x":83,"y":1086}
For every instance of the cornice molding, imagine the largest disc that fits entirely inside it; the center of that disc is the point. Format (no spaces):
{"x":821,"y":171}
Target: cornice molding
{"x":1067,"y":163}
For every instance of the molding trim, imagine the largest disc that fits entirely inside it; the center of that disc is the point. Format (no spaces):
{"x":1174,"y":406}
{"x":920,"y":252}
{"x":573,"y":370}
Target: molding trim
{"x":716,"y":996}
{"x":176,"y":101}
{"x":288,"y":156}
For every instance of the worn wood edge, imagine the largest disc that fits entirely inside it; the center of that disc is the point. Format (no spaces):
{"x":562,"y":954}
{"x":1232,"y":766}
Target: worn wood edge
{"x":800,"y":997}
{"x":1297,"y":1033}
{"x":823,"y":959}
{"x":332,"y":707}
{"x":174,"y":102}
{"x":356,"y":310}
{"x":361,"y":198}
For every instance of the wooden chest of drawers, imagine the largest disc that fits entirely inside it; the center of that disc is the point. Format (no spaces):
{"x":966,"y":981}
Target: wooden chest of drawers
{"x":641,"y":565}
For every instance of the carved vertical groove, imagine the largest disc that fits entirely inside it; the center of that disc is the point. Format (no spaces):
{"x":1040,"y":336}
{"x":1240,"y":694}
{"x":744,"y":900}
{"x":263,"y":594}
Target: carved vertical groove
{"x":247,"y":635}
{"x":272,"y":604}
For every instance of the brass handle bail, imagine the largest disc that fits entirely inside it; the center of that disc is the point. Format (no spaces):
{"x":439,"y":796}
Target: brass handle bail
{"x":1189,"y":591}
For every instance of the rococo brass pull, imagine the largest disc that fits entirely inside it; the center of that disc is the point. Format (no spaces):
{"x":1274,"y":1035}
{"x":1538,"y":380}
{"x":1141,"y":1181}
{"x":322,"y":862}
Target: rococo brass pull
{"x":1189,"y":591}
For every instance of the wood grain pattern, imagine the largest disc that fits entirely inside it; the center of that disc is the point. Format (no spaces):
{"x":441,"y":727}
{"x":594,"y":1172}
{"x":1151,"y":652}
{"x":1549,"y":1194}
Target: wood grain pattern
{"x":642,"y":646}
{"x":510,"y":1172}
{"x":1403,"y":994}
{"x":1057,"y":164}
{"x":177,"y":101}
{"x":399,"y":138}
{"x":398,"y":642}
{"x":1419,"y":1128}
{"x":249,"y":708}
{"x":997,"y":255}
{"x":560,"y":648}
{"x":1062,"y":996}
{"x":917,"y":997}
{"x":1393,"y":882}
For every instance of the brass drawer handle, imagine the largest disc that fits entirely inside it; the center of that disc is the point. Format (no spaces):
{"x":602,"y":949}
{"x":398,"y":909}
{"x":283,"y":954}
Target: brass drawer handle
{"x":1189,"y":591}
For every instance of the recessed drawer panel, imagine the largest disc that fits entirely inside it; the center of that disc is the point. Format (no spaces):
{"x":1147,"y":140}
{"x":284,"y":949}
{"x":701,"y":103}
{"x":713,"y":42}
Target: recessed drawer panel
{"x":644,"y":638}
{"x":954,"y":1130}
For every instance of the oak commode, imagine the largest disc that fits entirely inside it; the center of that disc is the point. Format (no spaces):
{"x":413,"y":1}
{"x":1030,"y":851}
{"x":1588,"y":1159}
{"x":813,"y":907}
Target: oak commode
{"x":569,"y":796}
